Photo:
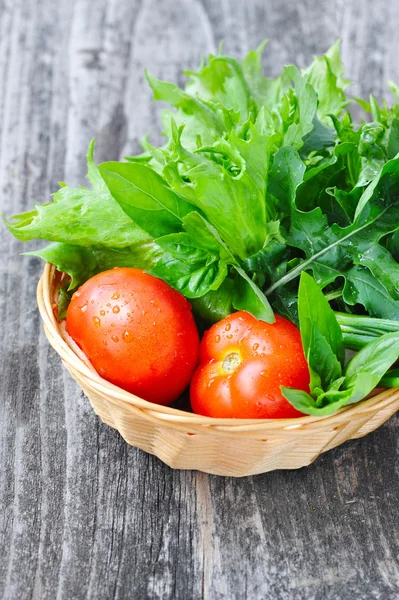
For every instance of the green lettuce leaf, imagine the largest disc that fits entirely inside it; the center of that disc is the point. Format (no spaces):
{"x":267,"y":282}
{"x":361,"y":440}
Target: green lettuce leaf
{"x":231,"y":194}
{"x":80,"y":217}
{"x":82,"y":262}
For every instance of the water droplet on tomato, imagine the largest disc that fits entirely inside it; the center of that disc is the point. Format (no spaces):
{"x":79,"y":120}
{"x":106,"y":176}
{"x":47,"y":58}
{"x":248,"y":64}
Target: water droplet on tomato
{"x":228,"y":327}
{"x":109,"y":304}
{"x":114,"y":338}
{"x":96,"y":321}
{"x":116,"y":309}
{"x":83,"y":308}
{"x":217,"y":338}
{"x":115,"y":297}
{"x":255,"y":347}
{"x":229,"y":336}
{"x":127,"y":336}
{"x":77,"y":294}
{"x":102,"y":313}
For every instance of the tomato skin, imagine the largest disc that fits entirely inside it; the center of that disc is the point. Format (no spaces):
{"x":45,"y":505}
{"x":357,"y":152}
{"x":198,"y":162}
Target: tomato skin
{"x":137,"y":332}
{"x":265,"y":356}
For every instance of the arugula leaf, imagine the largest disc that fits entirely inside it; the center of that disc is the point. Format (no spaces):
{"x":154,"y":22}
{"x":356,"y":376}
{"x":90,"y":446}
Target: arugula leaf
{"x":271,"y":260}
{"x":330,"y":251}
{"x":362,"y":287}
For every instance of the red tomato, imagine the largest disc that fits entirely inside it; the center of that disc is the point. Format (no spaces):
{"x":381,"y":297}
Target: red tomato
{"x":137,"y":332}
{"x":243,"y":363}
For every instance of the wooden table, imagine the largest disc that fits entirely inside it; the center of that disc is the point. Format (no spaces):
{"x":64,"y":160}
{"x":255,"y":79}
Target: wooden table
{"x":83,"y":515}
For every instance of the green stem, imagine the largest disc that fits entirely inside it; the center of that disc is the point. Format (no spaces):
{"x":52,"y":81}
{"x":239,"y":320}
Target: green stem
{"x":356,"y":341}
{"x":357,"y":331}
{"x":390,"y":379}
{"x":333,"y":295}
{"x":364,"y":323}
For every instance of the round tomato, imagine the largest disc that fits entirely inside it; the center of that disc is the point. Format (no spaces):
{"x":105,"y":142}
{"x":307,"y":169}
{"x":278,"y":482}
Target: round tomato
{"x":137,"y":332}
{"x":243,"y":363}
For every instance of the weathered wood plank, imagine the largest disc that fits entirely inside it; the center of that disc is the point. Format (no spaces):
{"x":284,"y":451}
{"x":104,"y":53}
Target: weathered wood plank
{"x":82,"y":514}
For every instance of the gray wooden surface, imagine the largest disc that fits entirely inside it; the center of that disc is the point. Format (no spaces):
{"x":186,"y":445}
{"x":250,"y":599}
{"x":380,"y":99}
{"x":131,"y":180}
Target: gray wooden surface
{"x":82,"y":515}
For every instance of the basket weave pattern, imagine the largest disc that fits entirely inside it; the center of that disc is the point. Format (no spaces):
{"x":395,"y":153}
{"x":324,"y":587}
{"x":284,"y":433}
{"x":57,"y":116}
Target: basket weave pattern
{"x":234,"y":447}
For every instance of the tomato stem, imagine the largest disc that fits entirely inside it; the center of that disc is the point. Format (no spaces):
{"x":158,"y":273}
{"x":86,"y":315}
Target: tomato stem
{"x":231,"y":362}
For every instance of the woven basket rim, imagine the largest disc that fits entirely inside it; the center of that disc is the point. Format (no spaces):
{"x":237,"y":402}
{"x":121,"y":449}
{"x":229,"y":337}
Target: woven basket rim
{"x":71,"y":354}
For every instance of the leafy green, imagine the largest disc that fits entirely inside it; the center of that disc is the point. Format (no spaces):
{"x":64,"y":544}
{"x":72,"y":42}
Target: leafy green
{"x":332,"y":385}
{"x":82,"y":262}
{"x":215,"y":305}
{"x":247,"y":296}
{"x":325,"y":76}
{"x":80,"y":217}
{"x":189,"y":266}
{"x":145,"y":197}
{"x":229,"y":191}
{"x":265,"y":196}
{"x":362,"y":287}
{"x":331,"y":251}
{"x":315,"y":310}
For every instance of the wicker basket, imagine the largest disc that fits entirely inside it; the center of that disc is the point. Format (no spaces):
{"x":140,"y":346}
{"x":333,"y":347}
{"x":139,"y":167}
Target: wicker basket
{"x":234,"y":447}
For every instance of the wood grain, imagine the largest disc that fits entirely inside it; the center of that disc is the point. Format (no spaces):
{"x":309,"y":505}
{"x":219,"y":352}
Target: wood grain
{"x":82,"y":514}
